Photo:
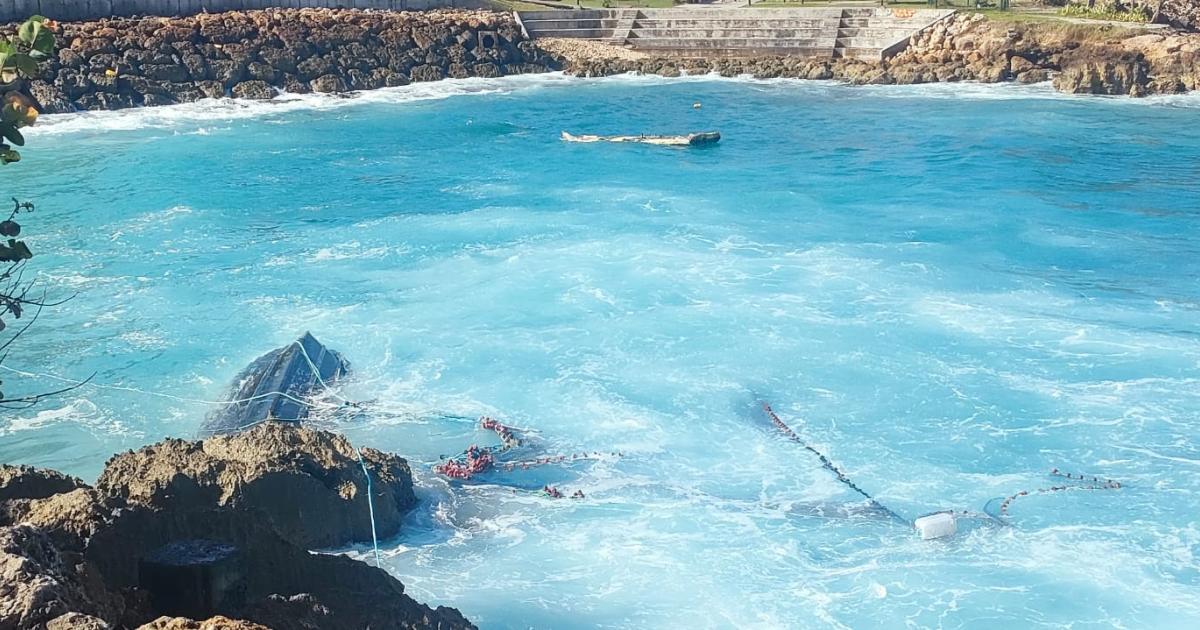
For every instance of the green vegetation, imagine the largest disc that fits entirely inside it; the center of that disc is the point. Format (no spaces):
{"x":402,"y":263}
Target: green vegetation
{"x":19,"y":57}
{"x":1112,"y":11}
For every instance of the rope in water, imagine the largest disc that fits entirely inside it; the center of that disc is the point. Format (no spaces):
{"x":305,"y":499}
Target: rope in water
{"x":827,"y":464}
{"x":479,"y":459}
{"x":370,"y":505}
{"x":1090,"y":483}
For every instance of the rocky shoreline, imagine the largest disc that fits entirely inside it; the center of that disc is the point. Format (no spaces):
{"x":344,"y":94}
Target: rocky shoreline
{"x":129,"y":62}
{"x":121,"y":63}
{"x":965,"y":47}
{"x":231,"y":518}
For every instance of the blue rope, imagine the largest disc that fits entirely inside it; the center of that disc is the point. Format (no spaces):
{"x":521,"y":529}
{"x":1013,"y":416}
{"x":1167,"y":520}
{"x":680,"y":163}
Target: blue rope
{"x":370,"y":506}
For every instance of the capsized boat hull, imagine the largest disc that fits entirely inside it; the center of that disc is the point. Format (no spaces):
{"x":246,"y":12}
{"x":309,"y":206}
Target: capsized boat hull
{"x":274,"y":385}
{"x":689,"y":140}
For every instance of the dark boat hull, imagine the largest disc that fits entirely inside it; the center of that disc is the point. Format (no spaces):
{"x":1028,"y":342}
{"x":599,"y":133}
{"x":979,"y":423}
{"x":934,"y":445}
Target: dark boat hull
{"x":274,"y":386}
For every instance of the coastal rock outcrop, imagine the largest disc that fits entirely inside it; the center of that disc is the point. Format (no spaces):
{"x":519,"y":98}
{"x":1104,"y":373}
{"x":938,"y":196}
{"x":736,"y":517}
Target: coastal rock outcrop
{"x":127,"y":62}
{"x":308,"y":484}
{"x":1080,"y":59}
{"x":212,"y":623}
{"x":78,"y":557}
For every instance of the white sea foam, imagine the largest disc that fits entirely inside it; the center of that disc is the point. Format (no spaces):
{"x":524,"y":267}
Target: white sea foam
{"x":197,"y":117}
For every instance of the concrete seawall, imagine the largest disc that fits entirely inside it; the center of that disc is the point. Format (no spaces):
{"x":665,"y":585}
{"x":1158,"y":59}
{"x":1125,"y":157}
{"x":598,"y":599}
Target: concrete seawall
{"x":848,"y":32}
{"x":17,"y":10}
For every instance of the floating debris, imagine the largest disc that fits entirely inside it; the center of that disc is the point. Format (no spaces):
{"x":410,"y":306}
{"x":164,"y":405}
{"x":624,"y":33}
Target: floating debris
{"x":703,"y":138}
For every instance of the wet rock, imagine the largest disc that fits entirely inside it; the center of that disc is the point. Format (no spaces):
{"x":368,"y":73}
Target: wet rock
{"x":293,"y":85}
{"x":426,"y":72}
{"x":1035,"y":75}
{"x":1090,"y":75}
{"x":329,"y":83}
{"x":210,"y":89}
{"x":290,"y":474}
{"x":254,"y":90}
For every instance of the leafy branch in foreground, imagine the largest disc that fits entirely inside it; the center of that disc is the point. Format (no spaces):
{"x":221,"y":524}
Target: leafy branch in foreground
{"x":20,"y":54}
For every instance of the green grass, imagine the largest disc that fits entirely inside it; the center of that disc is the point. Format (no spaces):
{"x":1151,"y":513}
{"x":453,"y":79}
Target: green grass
{"x":516,"y":5}
{"x":1103,"y":13}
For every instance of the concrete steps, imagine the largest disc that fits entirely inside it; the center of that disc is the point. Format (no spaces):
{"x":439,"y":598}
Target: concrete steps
{"x":865,"y":33}
{"x":625,"y":22}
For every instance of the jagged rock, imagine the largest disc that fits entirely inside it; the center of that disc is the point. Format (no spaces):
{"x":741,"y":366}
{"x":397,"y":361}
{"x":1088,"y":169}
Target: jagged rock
{"x":1089,"y":76}
{"x":308,"y":484}
{"x":329,"y":83}
{"x":211,"y":89}
{"x":166,"y":72}
{"x":27,"y":482}
{"x":213,"y":623}
{"x":254,"y":90}
{"x":49,"y":99}
{"x":227,"y":71}
{"x":70,"y":518}
{"x":314,"y":67}
{"x":260,"y":493}
{"x":426,"y":72}
{"x":36,"y":584}
{"x":295,"y":86}
{"x":77,"y":621}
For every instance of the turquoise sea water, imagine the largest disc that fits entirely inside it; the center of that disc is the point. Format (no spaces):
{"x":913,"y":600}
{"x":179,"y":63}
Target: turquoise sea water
{"x":949,"y":290}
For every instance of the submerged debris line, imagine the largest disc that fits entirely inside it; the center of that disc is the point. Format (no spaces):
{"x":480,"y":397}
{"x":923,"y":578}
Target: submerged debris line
{"x":1083,"y":482}
{"x":828,"y":465}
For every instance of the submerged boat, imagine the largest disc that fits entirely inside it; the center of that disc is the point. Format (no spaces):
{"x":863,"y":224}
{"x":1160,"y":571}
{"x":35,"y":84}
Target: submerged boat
{"x":690,"y":140}
{"x":276,"y":385}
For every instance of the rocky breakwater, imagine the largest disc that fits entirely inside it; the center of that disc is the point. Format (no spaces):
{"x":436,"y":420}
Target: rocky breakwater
{"x":238,"y":514}
{"x":118,"y":63}
{"x":1081,"y":59}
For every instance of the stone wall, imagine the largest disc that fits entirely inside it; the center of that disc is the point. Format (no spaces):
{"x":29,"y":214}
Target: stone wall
{"x":16,"y":10}
{"x":117,"y":63}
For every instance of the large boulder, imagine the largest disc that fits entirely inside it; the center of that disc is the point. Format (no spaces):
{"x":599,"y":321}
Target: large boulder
{"x":1122,"y":75}
{"x":308,"y":484}
{"x":90,"y":558}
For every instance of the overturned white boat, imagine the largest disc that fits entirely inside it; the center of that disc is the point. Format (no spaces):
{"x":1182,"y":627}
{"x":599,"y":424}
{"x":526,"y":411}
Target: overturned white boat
{"x":690,"y":140}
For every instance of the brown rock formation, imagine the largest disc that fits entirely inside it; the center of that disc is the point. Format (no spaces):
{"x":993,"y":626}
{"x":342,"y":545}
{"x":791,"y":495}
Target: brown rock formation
{"x":268,"y":494}
{"x":1081,"y":59}
{"x":308,"y":484}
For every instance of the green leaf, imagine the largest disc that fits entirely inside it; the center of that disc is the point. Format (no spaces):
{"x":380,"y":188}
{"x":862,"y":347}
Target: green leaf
{"x":8,"y":156}
{"x":4,"y":57}
{"x":25,"y":64}
{"x":15,"y":251}
{"x":29,"y":30}
{"x":43,"y":43}
{"x":14,"y":136}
